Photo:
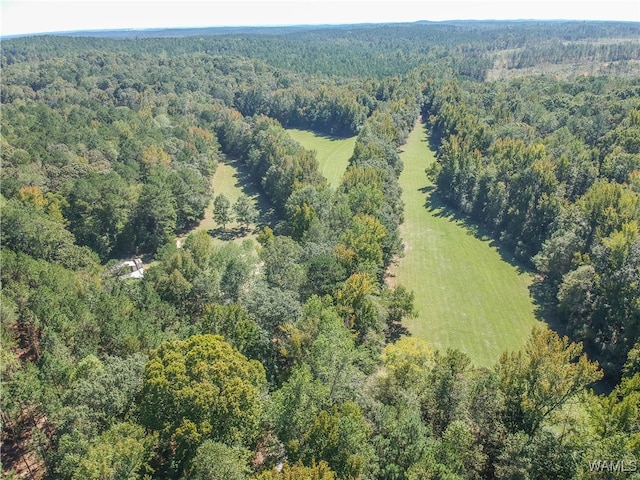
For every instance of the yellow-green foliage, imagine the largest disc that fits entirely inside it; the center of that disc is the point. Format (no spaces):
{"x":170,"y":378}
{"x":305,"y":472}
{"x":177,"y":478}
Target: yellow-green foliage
{"x":202,"y":388}
{"x":298,"y":471}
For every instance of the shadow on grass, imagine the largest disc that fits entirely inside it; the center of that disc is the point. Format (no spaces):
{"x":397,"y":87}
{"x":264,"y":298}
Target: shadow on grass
{"x":230,"y":233}
{"x":542,"y":302}
{"x":435,"y":138}
{"x":541,"y":294}
{"x":244,"y":181}
{"x":395,"y":331}
{"x":324,"y":135}
{"x":435,"y":203}
{"x":544,"y":310}
{"x":333,"y":138}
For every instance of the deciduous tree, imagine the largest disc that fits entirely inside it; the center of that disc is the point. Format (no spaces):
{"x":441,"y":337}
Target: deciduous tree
{"x":245,"y":211}
{"x":540,"y":379}
{"x":298,"y":471}
{"x":202,"y":388}
{"x":217,"y":461}
{"x":222,"y":210}
{"x":122,"y":452}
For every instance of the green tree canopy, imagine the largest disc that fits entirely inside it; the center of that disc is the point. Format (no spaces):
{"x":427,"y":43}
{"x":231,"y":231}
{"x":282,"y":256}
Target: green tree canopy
{"x":154,"y":221}
{"x":121,"y":453}
{"x":202,"y":388}
{"x":217,"y":461}
{"x":542,"y":378}
{"x":245,"y":210}
{"x":222,"y":210}
{"x":321,"y":471}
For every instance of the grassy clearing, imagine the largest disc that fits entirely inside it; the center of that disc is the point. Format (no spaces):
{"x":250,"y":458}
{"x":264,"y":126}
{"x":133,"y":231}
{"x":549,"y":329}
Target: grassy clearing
{"x":467,"y":295}
{"x":232,"y":179}
{"x":333,"y":153}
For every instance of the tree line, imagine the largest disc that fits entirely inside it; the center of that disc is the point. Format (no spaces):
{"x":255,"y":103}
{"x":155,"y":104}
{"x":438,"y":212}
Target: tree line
{"x":551,"y":168}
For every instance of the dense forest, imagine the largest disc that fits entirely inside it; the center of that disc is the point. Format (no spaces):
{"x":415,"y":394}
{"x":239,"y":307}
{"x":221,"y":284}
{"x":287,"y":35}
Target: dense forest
{"x":287,"y":358}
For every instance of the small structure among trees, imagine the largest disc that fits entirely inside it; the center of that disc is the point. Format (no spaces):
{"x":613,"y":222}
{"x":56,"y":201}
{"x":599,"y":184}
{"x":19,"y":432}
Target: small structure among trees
{"x":128,"y":269}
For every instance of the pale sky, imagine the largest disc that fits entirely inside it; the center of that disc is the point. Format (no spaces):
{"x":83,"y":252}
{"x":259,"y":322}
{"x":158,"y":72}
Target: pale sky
{"x":37,"y":16}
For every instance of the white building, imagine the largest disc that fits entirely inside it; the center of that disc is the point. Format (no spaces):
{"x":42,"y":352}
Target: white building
{"x":129,"y":269}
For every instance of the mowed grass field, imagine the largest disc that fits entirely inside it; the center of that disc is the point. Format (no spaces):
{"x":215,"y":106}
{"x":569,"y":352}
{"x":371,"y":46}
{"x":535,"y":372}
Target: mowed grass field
{"x":467,"y":296}
{"x":232,"y":179}
{"x":333,"y":153}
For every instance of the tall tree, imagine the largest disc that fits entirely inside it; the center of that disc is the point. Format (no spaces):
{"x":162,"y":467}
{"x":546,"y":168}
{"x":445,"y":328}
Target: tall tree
{"x":356,"y":306}
{"x":542,"y":378}
{"x":198,"y":389}
{"x":340,"y":436}
{"x":122,"y":452}
{"x":98,"y":211}
{"x":222,"y":210}
{"x":320,"y":471}
{"x":245,"y":210}
{"x":217,"y":461}
{"x":154,"y":222}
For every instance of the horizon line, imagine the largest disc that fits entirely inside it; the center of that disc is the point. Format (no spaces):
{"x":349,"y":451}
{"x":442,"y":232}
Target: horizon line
{"x":78,"y":32}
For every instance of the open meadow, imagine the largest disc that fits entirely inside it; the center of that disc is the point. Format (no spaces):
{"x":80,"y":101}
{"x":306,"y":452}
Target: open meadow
{"x":232,"y":180}
{"x":333,"y":153}
{"x":467,"y":295}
